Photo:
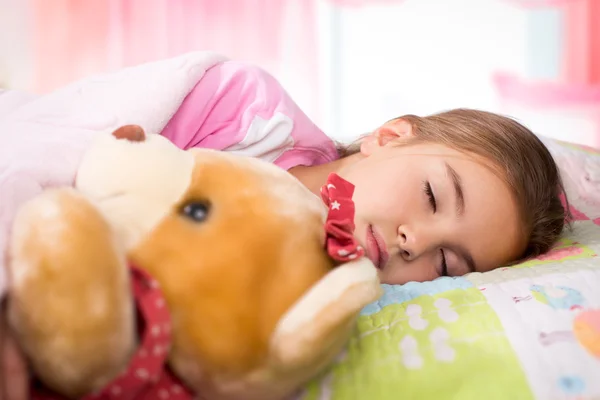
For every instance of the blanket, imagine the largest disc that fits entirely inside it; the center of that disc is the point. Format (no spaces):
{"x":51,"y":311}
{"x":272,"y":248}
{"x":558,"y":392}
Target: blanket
{"x":531,"y":331}
{"x":42,"y":137}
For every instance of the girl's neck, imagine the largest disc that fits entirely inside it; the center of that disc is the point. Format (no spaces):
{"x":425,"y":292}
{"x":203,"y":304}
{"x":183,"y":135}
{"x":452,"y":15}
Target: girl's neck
{"x":315,"y":176}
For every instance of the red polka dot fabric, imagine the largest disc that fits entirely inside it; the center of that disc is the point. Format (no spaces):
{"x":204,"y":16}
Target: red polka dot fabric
{"x":339,"y":227}
{"x":147,"y":376}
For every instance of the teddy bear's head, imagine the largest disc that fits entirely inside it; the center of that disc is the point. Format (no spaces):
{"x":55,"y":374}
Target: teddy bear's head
{"x":237,"y":245}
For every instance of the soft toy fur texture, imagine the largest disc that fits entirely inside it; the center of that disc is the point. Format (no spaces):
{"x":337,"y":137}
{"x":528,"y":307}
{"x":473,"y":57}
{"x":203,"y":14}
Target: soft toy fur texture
{"x":236,"y":244}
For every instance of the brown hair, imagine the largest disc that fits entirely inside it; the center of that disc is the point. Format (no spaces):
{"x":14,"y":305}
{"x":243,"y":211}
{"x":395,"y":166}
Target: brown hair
{"x":526,"y":165}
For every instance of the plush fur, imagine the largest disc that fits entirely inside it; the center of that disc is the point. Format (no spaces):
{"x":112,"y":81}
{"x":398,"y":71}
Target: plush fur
{"x":70,"y":297}
{"x":257,"y":306}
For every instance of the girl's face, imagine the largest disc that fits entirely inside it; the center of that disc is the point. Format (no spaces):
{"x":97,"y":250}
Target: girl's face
{"x":425,"y":210}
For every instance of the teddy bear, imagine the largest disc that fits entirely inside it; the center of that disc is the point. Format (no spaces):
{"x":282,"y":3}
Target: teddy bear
{"x":168,"y":274}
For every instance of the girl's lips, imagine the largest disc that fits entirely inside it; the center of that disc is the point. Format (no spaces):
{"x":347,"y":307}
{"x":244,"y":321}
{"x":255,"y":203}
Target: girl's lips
{"x":376,"y":249}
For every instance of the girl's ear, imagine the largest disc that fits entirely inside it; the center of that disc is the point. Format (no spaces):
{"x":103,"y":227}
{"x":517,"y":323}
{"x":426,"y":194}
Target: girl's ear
{"x":386,"y":133}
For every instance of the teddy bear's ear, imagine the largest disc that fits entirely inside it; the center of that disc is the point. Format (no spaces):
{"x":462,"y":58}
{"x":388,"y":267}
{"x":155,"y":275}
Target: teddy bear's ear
{"x":133,"y":133}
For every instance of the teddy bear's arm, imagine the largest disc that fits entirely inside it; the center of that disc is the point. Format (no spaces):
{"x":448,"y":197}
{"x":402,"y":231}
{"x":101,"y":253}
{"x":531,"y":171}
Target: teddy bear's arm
{"x":325,"y":316}
{"x":69,"y":299}
{"x":312,"y":333}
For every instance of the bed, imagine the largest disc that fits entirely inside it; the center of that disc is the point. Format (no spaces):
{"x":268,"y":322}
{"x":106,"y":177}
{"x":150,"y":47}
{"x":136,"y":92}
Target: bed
{"x":531,"y":331}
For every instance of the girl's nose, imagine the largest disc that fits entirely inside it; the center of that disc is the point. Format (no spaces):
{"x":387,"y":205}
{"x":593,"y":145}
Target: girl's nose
{"x":413,"y":243}
{"x":406,"y":242}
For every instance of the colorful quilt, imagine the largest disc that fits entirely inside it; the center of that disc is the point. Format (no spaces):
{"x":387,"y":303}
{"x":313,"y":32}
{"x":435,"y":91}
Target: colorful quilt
{"x":531,"y":331}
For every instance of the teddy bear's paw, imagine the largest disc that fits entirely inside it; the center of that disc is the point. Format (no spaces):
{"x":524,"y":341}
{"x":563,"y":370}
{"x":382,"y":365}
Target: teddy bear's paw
{"x":318,"y":326}
{"x":69,"y":298}
{"x":312,"y":334}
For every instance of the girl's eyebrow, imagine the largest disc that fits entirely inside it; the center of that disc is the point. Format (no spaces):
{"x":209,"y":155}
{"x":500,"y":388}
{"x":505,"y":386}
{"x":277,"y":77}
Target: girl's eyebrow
{"x":458,"y":189}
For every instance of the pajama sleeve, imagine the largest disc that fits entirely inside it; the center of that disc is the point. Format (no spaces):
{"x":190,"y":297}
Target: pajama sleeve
{"x":241,"y":108}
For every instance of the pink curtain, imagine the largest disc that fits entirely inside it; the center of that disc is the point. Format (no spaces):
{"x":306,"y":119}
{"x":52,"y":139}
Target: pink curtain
{"x":76,"y":38}
{"x":582,"y":36}
{"x":73,"y":38}
{"x":363,"y":3}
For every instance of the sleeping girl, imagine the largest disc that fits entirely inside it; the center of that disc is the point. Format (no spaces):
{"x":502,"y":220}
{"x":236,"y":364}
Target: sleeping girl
{"x":441,"y":195}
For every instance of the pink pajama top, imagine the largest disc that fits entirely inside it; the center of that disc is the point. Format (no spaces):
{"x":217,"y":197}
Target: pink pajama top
{"x":240,"y":108}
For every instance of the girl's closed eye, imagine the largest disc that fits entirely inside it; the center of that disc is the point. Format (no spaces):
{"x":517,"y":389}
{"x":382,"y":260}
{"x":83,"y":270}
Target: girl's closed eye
{"x":431,"y":197}
{"x":443,"y":270}
{"x":444,"y":265}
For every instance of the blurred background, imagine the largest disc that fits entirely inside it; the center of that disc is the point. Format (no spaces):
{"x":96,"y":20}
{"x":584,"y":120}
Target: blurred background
{"x":350,"y":64}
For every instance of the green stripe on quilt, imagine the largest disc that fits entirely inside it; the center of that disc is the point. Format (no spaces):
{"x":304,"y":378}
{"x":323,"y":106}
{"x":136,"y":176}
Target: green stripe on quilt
{"x":446,"y":345}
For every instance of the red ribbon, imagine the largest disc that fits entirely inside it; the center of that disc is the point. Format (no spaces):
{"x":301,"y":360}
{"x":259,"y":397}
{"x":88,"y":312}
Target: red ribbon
{"x":339,"y":227}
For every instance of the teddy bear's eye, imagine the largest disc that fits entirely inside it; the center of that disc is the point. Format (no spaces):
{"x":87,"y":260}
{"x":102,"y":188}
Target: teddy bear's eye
{"x":197,"y":211}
